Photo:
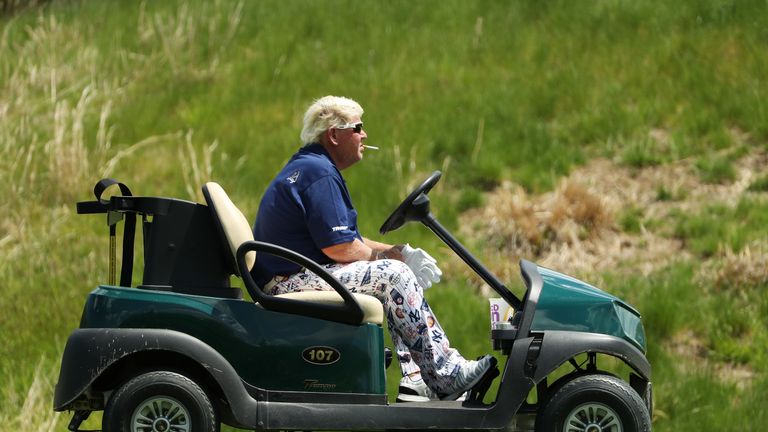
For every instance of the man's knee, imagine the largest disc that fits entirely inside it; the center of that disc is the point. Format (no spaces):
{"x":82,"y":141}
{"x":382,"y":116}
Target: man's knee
{"x":397,"y":272}
{"x":394,"y":266}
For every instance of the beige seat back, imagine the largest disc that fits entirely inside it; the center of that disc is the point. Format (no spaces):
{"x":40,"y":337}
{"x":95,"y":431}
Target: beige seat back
{"x":231,"y":221}
{"x":235,"y":229}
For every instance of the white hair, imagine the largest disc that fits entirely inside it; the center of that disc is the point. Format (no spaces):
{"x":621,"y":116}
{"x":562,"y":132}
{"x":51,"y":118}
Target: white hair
{"x":325,"y":113}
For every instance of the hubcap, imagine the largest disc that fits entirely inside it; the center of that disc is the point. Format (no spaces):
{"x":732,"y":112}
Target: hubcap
{"x":160,"y":414}
{"x":592,"y":417}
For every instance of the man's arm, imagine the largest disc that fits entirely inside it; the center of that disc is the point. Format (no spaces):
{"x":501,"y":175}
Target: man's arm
{"x":366,"y":250}
{"x":423,"y":265}
{"x":380,"y":247}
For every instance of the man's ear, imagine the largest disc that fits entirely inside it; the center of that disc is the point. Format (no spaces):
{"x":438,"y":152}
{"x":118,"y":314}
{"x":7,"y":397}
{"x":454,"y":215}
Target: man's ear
{"x":331,"y":134}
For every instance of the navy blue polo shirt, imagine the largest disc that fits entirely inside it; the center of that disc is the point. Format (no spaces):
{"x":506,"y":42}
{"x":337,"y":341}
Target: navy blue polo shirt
{"x":306,"y":208}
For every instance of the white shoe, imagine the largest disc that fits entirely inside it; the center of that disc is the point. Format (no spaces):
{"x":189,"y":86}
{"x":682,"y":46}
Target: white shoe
{"x":414,"y":390}
{"x":468,"y":377}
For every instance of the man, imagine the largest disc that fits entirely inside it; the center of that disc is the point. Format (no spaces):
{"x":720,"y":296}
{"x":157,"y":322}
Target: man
{"x":307,"y":208}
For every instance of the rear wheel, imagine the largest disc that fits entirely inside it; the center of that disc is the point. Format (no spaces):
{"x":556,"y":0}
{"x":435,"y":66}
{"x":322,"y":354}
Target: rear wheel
{"x":594,"y":403}
{"x":160,"y":402}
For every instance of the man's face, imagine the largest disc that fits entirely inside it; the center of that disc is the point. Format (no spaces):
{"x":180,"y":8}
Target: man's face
{"x":349,"y":144}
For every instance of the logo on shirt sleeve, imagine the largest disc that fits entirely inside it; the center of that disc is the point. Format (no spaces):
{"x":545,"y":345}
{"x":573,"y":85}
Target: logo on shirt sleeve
{"x":293,"y":177}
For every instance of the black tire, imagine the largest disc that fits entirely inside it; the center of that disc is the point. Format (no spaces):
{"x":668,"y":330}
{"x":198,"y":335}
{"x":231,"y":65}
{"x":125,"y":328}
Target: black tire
{"x":160,"y":400}
{"x":599,"y":403}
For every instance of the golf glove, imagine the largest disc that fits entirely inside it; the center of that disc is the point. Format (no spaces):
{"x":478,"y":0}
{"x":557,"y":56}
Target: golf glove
{"x":423,"y":266}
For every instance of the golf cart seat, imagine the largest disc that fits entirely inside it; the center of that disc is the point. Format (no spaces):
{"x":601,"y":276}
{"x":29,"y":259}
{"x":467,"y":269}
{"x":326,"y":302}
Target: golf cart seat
{"x":235,"y":232}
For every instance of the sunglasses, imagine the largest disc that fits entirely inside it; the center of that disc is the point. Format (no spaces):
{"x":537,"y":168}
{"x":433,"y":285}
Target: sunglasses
{"x":357,"y":127}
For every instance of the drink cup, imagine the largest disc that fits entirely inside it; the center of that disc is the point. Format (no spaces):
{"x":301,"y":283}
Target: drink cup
{"x":500,"y":312}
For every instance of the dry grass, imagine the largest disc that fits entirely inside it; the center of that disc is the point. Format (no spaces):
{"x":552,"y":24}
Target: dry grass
{"x":575,"y":228}
{"x":69,"y":160}
{"x":34,"y":413}
{"x":49,"y":93}
{"x":517,"y":223}
{"x":572,"y":228}
{"x":745,"y":270}
{"x":174,"y":38}
{"x":52,"y":86}
{"x":56,"y":107}
{"x":196,"y":172}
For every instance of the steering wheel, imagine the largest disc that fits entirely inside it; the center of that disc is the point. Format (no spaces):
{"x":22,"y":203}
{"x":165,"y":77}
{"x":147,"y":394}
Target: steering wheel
{"x":415,"y":207}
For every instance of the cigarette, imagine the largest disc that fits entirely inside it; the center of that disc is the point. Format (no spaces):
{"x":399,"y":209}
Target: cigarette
{"x":370,"y":147}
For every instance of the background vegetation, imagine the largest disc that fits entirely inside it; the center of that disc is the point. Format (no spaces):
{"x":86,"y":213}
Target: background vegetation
{"x":166,"y":95}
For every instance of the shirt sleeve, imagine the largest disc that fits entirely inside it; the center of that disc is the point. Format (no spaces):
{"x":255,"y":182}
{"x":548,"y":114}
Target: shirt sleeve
{"x":330,"y":217}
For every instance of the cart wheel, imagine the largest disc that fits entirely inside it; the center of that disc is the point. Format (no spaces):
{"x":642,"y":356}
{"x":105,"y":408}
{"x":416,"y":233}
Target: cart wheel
{"x":160,"y":402}
{"x":594,"y":403}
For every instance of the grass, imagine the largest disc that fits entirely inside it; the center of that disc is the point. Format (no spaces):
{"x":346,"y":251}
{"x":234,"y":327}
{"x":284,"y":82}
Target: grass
{"x":716,"y":170}
{"x":166,"y":95}
{"x":719,"y":226}
{"x":760,"y":184}
{"x":631,"y":220}
{"x":697,"y":336}
{"x":641,"y":153}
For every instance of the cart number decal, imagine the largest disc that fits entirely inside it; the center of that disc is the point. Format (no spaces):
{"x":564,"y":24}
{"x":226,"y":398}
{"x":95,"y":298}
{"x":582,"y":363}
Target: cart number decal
{"x":321,"y":355}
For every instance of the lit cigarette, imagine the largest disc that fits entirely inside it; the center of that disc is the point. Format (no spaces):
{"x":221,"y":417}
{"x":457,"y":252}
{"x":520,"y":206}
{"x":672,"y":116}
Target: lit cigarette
{"x":370,"y":147}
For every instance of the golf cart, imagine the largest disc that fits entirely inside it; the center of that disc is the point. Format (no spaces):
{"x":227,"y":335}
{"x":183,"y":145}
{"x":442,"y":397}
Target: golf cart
{"x":183,"y":351}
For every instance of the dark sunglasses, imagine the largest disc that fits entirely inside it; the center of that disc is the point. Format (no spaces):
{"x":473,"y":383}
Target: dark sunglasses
{"x":357,"y":127}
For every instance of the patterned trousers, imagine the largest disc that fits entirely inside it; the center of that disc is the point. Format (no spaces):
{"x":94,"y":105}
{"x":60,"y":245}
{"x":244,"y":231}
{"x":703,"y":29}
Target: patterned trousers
{"x":419,"y":339}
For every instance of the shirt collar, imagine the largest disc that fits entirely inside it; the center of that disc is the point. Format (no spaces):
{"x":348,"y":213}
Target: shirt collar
{"x":317,"y":148}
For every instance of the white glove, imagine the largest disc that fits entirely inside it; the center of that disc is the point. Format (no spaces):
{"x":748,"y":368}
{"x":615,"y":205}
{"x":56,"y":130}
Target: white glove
{"x":423,"y":266}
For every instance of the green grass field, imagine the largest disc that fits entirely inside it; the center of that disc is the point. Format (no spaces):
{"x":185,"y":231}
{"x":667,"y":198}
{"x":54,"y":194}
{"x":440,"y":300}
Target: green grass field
{"x":167,"y":95}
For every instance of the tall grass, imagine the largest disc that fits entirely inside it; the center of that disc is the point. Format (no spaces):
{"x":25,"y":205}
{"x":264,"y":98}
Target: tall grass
{"x":167,"y":95}
{"x":28,"y":409}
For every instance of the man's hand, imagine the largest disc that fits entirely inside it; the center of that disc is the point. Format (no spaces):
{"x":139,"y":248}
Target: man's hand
{"x":423,"y":266}
{"x":394,"y":252}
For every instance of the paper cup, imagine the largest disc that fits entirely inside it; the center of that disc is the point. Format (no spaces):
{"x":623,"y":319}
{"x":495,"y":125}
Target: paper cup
{"x":500,"y":311}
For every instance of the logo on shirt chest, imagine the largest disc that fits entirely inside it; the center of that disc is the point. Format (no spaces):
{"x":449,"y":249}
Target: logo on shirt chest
{"x":293,"y":177}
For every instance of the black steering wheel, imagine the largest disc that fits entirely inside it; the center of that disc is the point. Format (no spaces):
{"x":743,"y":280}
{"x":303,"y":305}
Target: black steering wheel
{"x":415,"y":207}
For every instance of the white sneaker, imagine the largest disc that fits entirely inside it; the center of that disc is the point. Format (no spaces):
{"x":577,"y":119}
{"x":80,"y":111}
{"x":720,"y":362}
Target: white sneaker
{"x":414,"y":390}
{"x":468,"y":377}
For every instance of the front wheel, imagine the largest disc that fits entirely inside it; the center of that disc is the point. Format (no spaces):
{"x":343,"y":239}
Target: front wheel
{"x":160,"y":401}
{"x":594,"y":403}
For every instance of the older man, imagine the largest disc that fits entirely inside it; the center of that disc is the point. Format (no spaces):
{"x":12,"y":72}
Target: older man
{"x":307,"y":208}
